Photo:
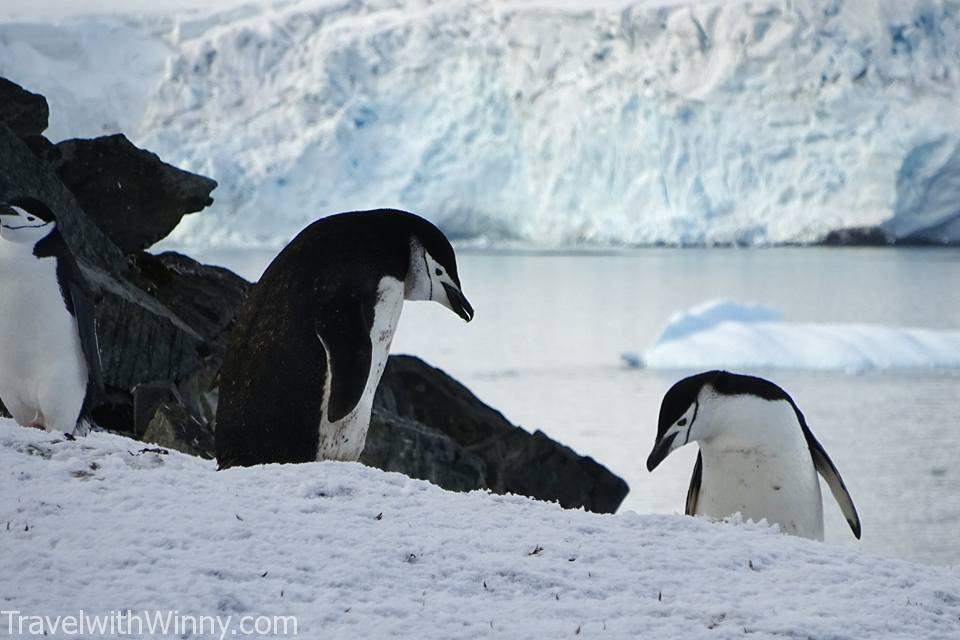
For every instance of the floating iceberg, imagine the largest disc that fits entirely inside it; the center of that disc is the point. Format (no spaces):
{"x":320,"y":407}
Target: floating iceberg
{"x":725,"y":334}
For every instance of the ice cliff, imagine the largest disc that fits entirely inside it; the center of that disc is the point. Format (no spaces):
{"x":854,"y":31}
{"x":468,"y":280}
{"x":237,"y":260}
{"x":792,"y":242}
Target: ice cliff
{"x":543,"y":122}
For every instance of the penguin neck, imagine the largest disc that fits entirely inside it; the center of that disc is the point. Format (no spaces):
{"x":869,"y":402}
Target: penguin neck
{"x":24,"y":255}
{"x":747,"y":422}
{"x":38,"y":244}
{"x":757,"y":463}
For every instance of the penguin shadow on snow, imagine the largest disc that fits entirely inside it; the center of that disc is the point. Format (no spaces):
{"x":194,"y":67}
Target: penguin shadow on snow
{"x":757,"y":455}
{"x":51,"y":374}
{"x":312,"y":340}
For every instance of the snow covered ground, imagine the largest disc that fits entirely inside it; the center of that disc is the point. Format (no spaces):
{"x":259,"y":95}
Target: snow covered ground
{"x":99,"y":525}
{"x":725,"y":334}
{"x":545,"y":122}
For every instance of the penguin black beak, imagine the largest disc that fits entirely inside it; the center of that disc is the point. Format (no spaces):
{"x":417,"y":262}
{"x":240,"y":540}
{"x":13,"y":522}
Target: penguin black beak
{"x":660,"y":451}
{"x":458,"y":302}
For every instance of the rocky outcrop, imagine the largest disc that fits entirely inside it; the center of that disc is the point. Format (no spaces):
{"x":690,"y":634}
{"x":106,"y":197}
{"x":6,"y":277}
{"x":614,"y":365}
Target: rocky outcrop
{"x":515,"y":461}
{"x":857,"y":237}
{"x":134,"y":197}
{"x":397,"y":444}
{"x":163,"y":321}
{"x":172,"y":427}
{"x":24,"y":174}
{"x":25,"y":113}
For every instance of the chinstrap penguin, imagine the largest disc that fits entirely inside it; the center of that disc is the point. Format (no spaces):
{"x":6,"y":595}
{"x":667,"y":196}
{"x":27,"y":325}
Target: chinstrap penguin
{"x":312,"y":340}
{"x":50,"y":370}
{"x":757,"y":455}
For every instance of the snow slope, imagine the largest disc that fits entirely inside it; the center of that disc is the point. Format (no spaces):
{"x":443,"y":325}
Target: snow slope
{"x":354,"y":552}
{"x":547,"y":122}
{"x":725,"y":334}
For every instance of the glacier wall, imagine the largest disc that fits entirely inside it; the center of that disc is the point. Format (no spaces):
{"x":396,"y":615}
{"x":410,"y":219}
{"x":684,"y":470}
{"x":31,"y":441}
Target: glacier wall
{"x":539,"y":122}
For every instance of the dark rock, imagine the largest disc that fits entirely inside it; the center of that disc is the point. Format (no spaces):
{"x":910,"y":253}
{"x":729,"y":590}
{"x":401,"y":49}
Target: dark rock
{"x":141,"y":340}
{"x":134,"y":197}
{"x":930,"y":237}
{"x":199,"y":390}
{"x":23,"y":174}
{"x":41,"y":147}
{"x":515,"y":461}
{"x":115,"y":412}
{"x":397,"y":444}
{"x":206,"y":298}
{"x":147,"y":398}
{"x":172,"y":427}
{"x":165,"y":320}
{"x":543,"y":468}
{"x":857,"y":237}
{"x":25,"y":113}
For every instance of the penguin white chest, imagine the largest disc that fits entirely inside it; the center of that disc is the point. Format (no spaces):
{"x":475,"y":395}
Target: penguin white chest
{"x":43,"y":374}
{"x":763,"y":470}
{"x":345,"y":438}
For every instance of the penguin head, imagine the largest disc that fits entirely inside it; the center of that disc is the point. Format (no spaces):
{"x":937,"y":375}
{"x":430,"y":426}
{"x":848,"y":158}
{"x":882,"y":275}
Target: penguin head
{"x":706,"y":405}
{"x":25,"y":220}
{"x":432,"y":272}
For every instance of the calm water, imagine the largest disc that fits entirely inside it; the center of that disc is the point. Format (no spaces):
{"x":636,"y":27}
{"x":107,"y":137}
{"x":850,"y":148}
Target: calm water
{"x":544,"y":349}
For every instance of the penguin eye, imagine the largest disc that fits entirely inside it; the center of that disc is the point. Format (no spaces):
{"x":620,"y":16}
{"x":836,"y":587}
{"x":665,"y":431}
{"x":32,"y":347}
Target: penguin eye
{"x":439,"y":271}
{"x":682,"y":422}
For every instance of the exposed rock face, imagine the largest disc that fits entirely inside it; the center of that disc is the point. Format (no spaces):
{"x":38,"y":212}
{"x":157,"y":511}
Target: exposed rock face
{"x":162,"y":320}
{"x":147,"y":399}
{"x":172,"y":427}
{"x":204,"y":297}
{"x":398,"y":444}
{"x":25,"y":113}
{"x":515,"y":461}
{"x":134,"y":197}
{"x":23,"y":174}
{"x":857,"y":237}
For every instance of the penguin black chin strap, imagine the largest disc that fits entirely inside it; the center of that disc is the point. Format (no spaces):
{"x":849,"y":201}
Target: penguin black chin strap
{"x":426,"y":269}
{"x":693,"y":418}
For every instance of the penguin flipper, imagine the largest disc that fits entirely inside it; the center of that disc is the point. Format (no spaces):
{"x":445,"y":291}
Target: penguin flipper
{"x":693,"y":493}
{"x":826,"y":468}
{"x":345,"y":335}
{"x":85,"y":313}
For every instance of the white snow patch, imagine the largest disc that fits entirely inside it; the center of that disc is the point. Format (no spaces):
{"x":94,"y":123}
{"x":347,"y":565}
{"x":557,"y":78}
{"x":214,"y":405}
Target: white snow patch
{"x":726,"y":334}
{"x":351,"y":551}
{"x":547,"y":122}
